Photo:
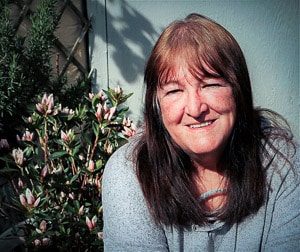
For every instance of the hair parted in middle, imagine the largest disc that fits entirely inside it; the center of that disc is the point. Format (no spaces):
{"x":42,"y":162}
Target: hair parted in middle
{"x":164,"y":171}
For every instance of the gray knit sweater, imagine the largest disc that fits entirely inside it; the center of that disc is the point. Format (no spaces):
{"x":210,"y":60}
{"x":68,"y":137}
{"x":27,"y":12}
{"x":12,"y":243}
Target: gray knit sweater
{"x":128,"y":225}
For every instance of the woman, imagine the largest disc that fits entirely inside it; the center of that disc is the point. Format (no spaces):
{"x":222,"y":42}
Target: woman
{"x":208,"y":172}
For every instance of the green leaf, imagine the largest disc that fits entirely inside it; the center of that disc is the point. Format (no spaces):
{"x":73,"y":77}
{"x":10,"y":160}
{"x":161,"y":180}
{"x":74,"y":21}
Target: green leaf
{"x":77,"y":204}
{"x":87,"y":139}
{"x":99,"y":163}
{"x":8,"y":170}
{"x":58,"y":154}
{"x":74,"y":178}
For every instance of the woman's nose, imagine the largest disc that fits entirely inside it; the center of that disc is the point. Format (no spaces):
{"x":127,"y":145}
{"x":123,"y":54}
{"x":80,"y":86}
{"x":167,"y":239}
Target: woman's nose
{"x":196,"y":104}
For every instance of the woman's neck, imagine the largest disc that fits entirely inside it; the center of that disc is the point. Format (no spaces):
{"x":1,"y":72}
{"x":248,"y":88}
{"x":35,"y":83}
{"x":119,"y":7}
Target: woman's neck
{"x":211,"y":179}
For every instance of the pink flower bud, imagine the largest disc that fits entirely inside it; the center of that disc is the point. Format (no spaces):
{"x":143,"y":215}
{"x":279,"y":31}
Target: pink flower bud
{"x":80,"y":211}
{"x":4,"y":144}
{"x":44,"y":99}
{"x":57,"y":207}
{"x":45,"y":241}
{"x":94,"y":220}
{"x":101,"y":95}
{"x":91,"y":96}
{"x":105,"y":107}
{"x":91,"y":167}
{"x":43,"y":226}
{"x":27,"y":136}
{"x":99,"y":111}
{"x":50,"y":104}
{"x":97,"y":182}
{"x":37,"y":242}
{"x":18,"y":156}
{"x":64,"y":136}
{"x":36,"y":203}
{"x":128,"y":132}
{"x":39,"y":108}
{"x":47,"y":105}
{"x":118,"y":90}
{"x":23,"y":200}
{"x":109,"y":149}
{"x":20,"y":183}
{"x":62,"y":195}
{"x":89,"y":223}
{"x":44,"y":171}
{"x":29,"y":197}
{"x":100,"y":235}
{"x":71,"y":196}
{"x":112,"y":112}
{"x":70,"y":112}
{"x":126,"y":122}
{"x":66,"y":110}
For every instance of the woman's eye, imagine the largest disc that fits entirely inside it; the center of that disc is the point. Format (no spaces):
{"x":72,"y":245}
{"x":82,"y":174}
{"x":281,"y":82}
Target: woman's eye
{"x":213,"y":85}
{"x":173,"y":91}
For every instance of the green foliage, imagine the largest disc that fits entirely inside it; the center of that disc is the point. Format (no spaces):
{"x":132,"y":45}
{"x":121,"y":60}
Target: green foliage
{"x":60,"y":161}
{"x":55,"y":169}
{"x":25,"y":67}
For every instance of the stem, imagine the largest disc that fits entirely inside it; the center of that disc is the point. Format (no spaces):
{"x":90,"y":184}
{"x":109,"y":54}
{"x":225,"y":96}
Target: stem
{"x":45,"y":142}
{"x":73,"y":166}
{"x":94,"y":146}
{"x":13,"y":184}
{"x":107,"y":140}
{"x":83,"y":181}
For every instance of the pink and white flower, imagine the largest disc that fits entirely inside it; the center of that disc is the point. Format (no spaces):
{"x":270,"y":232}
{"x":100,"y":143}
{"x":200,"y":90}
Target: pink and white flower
{"x":18,"y":156}
{"x":4,"y":144}
{"x":27,"y":136}
{"x":91,"y":223}
{"x":28,"y":200}
{"x":47,"y":105}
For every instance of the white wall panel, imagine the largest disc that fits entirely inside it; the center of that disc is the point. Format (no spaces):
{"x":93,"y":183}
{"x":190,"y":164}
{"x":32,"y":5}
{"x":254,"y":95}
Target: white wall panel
{"x":124,"y":32}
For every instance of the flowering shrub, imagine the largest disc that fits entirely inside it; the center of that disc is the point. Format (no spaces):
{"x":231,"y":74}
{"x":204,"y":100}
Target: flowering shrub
{"x":60,"y":161}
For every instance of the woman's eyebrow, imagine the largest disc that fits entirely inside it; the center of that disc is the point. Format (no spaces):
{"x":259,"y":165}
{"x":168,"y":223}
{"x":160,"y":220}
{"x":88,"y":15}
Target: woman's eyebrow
{"x":169,"y":82}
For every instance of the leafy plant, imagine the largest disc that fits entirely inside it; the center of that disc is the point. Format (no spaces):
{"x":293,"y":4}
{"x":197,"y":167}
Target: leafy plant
{"x":59,"y":165}
{"x":25,"y":66}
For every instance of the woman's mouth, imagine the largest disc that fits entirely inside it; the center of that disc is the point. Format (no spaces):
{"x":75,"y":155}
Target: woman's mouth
{"x":200,"y":125}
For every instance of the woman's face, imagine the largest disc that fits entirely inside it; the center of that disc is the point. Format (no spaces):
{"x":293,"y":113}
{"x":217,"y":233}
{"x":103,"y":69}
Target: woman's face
{"x":199,"y":115}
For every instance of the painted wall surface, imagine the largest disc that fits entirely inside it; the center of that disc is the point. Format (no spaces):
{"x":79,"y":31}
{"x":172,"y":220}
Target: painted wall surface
{"x":124,"y":33}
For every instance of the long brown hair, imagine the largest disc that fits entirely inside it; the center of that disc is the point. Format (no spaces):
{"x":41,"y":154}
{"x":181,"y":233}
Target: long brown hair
{"x":164,"y":171}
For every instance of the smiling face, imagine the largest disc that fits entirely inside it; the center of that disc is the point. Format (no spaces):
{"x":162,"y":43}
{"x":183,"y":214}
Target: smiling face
{"x":198,"y":113}
{"x":198,"y":74}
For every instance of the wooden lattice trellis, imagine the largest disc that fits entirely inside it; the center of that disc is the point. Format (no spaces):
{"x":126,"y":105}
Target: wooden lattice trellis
{"x":70,"y":53}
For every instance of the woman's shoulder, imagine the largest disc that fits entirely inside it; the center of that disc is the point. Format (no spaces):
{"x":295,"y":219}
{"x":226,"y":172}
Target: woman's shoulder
{"x":119,"y":180}
{"x":128,"y":225}
{"x":280,"y":151}
{"x":282,"y":163}
{"x":282,"y":219}
{"x":120,"y":167}
{"x":121,"y":156}
{"x":120,"y":164}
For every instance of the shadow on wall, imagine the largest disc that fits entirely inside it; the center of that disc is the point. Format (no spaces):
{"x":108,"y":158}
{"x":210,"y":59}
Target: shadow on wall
{"x":129,"y":37}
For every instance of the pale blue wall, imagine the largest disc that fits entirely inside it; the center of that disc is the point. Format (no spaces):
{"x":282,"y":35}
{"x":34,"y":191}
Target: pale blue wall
{"x":124,"y":32}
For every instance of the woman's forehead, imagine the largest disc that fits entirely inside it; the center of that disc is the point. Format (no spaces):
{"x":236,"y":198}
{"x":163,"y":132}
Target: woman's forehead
{"x":180,"y":71}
